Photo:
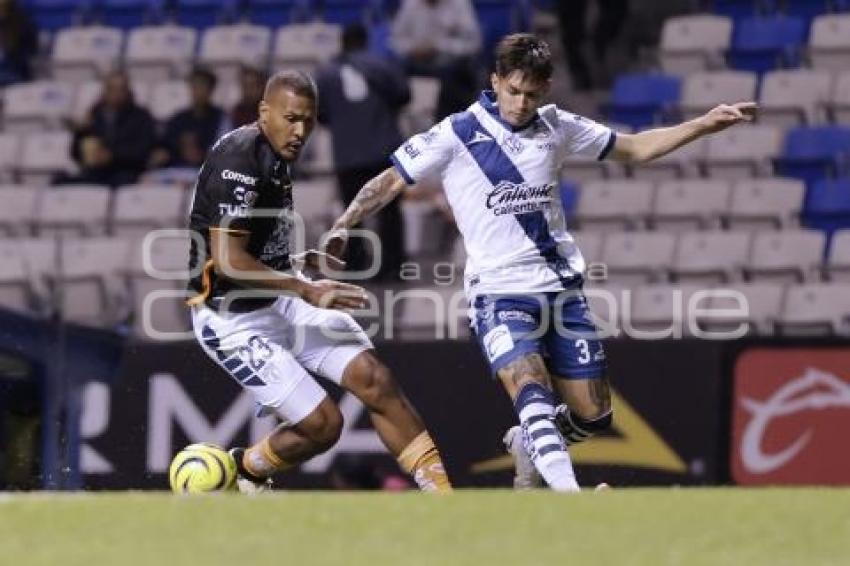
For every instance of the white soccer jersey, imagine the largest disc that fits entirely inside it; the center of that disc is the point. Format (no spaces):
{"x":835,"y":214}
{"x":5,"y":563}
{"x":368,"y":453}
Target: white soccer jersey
{"x":503,"y":186}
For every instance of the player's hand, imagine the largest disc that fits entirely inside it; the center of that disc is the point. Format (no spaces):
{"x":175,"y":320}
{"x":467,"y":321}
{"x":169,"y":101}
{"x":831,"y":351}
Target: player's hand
{"x":328,"y":294}
{"x":335,"y":244}
{"x":721,"y":117}
{"x":314,"y":261}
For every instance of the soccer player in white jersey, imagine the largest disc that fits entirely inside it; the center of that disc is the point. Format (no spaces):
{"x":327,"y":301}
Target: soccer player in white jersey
{"x":499,"y":163}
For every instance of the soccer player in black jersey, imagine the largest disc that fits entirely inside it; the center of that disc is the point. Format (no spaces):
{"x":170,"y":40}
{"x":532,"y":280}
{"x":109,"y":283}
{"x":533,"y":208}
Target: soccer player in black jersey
{"x":267,"y":325}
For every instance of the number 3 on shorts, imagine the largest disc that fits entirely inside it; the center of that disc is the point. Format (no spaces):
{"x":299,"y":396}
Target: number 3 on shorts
{"x":584,"y":351}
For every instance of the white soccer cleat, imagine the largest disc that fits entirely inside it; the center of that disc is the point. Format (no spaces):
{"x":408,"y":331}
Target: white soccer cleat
{"x":526,"y":475}
{"x":244,"y":482}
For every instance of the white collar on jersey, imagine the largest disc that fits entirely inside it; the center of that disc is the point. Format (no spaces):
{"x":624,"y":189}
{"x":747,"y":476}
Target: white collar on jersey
{"x":487,"y":100}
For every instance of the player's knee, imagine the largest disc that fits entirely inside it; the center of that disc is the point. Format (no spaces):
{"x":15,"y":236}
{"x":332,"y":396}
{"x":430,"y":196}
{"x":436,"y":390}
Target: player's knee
{"x":324,"y":428}
{"x":373,"y":383}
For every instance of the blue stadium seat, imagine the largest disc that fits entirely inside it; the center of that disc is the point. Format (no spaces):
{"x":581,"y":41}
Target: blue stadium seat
{"x":273,"y":13}
{"x":807,"y":10}
{"x":764,"y":44}
{"x":128,"y":14}
{"x":740,"y":9}
{"x":52,"y":15}
{"x":827,"y":205}
{"x":496,"y":18}
{"x":201,"y":14}
{"x":638,"y":99}
{"x":344,"y":12}
{"x":569,"y":197}
{"x":812,"y":154}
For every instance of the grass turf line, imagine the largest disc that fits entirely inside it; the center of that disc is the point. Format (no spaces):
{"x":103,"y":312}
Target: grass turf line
{"x":623,"y":527}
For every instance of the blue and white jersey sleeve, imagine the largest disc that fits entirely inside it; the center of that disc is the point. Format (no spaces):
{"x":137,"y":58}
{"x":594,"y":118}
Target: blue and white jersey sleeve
{"x":426,"y":154}
{"x":582,"y":136}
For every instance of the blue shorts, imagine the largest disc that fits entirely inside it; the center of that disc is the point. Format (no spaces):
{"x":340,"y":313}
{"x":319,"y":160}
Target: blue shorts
{"x":557,"y":326}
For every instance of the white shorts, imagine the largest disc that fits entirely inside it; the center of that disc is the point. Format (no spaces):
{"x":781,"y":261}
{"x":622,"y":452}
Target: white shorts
{"x":270,"y":351}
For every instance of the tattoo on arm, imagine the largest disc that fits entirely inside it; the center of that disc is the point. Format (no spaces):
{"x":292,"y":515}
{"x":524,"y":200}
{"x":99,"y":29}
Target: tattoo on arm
{"x":374,"y":195}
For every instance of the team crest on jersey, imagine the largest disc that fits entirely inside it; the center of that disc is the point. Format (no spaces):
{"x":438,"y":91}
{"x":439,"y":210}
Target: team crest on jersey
{"x":513,"y":145}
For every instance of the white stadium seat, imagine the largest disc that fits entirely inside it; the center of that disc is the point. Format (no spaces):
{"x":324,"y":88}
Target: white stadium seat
{"x":590,"y":244}
{"x":638,"y":257}
{"x":168,"y":98}
{"x":786,"y":256}
{"x":816,"y":309}
{"x":83,"y":53}
{"x":620,"y":204}
{"x":682,"y":163}
{"x":44,"y":155}
{"x":74,"y":210}
{"x":838,"y":264}
{"x":710,"y":257}
{"x":839,"y":103}
{"x":758,"y":306}
{"x":765,"y":203}
{"x":18,"y":212}
{"x":659,"y":310}
{"x":742,"y":151}
{"x":693,"y":204}
{"x":794,"y":97}
{"x":138,"y":209}
{"x":304,"y":46}
{"x":418,"y":116}
{"x":160,"y":53}
{"x":38,"y":105}
{"x":694,"y":43}
{"x":227,"y":48}
{"x":10,"y":151}
{"x":829,"y":42}
{"x":703,"y":91}
{"x":14,"y":280}
{"x":89,"y":92}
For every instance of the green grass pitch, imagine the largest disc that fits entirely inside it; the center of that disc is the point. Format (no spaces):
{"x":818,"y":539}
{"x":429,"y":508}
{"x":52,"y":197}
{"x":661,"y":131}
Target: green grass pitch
{"x":622,"y":527}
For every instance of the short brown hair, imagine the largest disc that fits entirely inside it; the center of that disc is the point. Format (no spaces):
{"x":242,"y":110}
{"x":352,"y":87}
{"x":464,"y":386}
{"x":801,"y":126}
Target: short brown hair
{"x":298,"y":82}
{"x":526,"y":53}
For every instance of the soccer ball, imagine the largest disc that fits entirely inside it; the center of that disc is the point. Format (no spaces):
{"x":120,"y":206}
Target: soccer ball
{"x":202,"y":468}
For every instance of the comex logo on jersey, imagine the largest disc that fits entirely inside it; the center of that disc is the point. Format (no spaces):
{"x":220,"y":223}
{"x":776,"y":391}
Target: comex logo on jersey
{"x":229,"y":175}
{"x":513,"y":198}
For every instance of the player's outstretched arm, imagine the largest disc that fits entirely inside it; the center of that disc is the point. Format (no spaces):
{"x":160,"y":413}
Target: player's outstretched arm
{"x":652,"y":144}
{"x":232,"y":260}
{"x":375,"y":195}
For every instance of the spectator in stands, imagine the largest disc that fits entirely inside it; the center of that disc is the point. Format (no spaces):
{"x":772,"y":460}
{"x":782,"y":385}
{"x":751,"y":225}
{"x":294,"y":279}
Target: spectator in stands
{"x":360,"y":96}
{"x":18,"y":43}
{"x":440,"y":38}
{"x":113,"y":143}
{"x":572,"y":17}
{"x":190,"y":133}
{"x":252,"y":82}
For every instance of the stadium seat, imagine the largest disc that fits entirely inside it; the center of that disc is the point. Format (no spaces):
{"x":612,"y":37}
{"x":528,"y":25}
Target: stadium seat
{"x":273,"y":13}
{"x":703,"y":91}
{"x":37,"y":106}
{"x":829,"y":44}
{"x":694,"y":43}
{"x":52,"y":15}
{"x":18,"y":212}
{"x":827,"y":205}
{"x":765,"y":43}
{"x":765,"y":203}
{"x":167,"y":98}
{"x":156,"y":277}
{"x":589,"y":244}
{"x":837,"y":266}
{"x":679,"y":164}
{"x":76,"y":210}
{"x":740,"y":9}
{"x":696,"y":204}
{"x":793,"y":98}
{"x":159,"y":53}
{"x":762,"y":304}
{"x":305,"y":46}
{"x":204,"y":14}
{"x":816,"y":309}
{"x":635,"y":258}
{"x":138,"y":209}
{"x":43,"y":156}
{"x":418,"y":116}
{"x":225,"y":49}
{"x":89,"y":275}
{"x":619,"y":205}
{"x":129,"y":14}
{"x":785,"y":256}
{"x":659,"y":311}
{"x":583,"y":169}
{"x":85,"y":53}
{"x":839,"y":102}
{"x":807,"y":10}
{"x":14,"y":281}
{"x":710,"y":257}
{"x":10,"y":151}
{"x":638,"y":100}
{"x":814,"y":153}
{"x":343,"y":12}
{"x":88,"y":93}
{"x":742,"y":152}
{"x":318,"y":205}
